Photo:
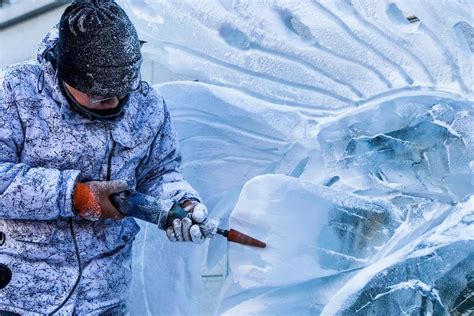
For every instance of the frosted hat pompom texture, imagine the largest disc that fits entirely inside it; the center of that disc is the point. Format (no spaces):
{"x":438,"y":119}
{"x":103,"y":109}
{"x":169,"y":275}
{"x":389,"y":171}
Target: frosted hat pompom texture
{"x":99,"y":50}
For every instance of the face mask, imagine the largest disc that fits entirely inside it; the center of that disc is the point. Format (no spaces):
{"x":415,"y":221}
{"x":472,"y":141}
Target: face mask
{"x":103,"y":115}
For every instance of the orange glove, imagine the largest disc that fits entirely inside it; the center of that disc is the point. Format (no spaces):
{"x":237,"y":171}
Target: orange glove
{"x":91,"y":199}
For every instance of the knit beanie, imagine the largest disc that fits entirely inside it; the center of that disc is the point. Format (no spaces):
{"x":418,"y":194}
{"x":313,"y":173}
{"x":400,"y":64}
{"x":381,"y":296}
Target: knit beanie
{"x":98,"y":49}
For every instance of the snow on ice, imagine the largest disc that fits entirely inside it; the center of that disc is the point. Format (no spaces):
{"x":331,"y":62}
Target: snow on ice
{"x":341,"y":133}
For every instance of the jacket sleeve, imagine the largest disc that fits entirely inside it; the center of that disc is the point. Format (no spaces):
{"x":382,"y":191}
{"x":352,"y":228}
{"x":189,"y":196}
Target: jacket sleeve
{"x":28,"y":193}
{"x":159,"y":174}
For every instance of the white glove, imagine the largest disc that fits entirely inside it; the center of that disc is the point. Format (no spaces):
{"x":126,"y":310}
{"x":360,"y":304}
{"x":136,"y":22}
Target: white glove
{"x":195,"y":227}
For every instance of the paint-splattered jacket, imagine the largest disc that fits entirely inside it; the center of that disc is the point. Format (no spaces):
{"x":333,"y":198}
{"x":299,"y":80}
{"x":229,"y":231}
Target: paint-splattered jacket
{"x":60,"y":262}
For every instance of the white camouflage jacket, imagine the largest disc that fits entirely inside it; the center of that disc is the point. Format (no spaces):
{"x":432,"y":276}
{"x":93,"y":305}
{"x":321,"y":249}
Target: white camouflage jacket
{"x":61,"y":263}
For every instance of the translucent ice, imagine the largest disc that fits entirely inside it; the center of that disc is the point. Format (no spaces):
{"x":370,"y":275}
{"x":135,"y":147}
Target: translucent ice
{"x":426,"y":275}
{"x":372,"y":99}
{"x":304,"y":225}
{"x":403,"y":161}
{"x":424,"y":267}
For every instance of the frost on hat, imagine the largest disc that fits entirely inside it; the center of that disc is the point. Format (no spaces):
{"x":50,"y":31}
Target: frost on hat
{"x":99,"y":50}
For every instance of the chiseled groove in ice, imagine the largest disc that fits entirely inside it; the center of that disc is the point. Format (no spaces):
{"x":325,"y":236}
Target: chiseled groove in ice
{"x":449,"y":57}
{"x":262,"y":153}
{"x":347,"y":58}
{"x":254,"y":162}
{"x":356,"y":62}
{"x":318,"y":46}
{"x":288,"y":55}
{"x":250,"y":161}
{"x":262,"y":85}
{"x":312,"y":110}
{"x":262,"y":150}
{"x":255,"y":74}
{"x":433,"y":20}
{"x":369,"y":46}
{"x":242,"y":160}
{"x":209,"y":119}
{"x":387,"y":35}
{"x":215,"y":121}
{"x":299,"y":60}
{"x":464,"y":30}
{"x":272,"y":152}
{"x":425,"y":48}
{"x":311,"y":115}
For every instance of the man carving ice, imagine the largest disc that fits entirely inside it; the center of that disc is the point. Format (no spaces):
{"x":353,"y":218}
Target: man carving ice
{"x":76,"y":126}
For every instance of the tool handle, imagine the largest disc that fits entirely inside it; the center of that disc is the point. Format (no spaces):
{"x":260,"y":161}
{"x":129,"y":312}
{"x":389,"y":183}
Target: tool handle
{"x":243,"y":239}
{"x":141,"y":206}
{"x":176,"y":212}
{"x":147,"y":208}
{"x":240,"y":238}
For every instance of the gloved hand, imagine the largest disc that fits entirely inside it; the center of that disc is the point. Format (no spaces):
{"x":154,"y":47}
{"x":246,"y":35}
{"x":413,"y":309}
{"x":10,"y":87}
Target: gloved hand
{"x":91,"y":199}
{"x":194,"y":227}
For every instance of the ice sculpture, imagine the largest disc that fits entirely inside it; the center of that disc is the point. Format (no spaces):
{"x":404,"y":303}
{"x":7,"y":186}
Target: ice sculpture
{"x":371,"y":99}
{"x":418,"y":159}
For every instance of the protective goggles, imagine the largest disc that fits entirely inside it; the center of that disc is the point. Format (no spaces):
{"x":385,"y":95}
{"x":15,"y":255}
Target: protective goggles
{"x":97,"y":99}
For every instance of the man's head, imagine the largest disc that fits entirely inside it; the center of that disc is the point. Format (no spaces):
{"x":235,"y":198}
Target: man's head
{"x":98,"y":52}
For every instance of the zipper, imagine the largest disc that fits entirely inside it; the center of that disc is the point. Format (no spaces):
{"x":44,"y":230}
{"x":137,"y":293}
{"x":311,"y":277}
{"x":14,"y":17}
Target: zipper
{"x":109,"y":160}
{"x":79,"y":263}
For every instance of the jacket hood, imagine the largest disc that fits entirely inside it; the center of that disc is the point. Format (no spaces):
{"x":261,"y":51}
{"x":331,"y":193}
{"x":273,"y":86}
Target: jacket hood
{"x":48,"y":75}
{"x":47,"y":44}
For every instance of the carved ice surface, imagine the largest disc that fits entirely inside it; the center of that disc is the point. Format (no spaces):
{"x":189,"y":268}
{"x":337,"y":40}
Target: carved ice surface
{"x":340,"y":132}
{"x":419,"y":260}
